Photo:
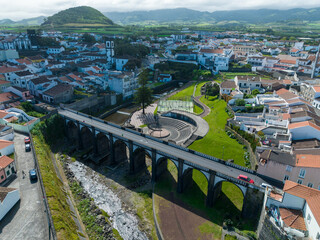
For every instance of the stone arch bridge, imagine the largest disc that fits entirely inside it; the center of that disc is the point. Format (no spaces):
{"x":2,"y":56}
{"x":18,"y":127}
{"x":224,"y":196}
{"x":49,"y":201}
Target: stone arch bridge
{"x":112,"y":141}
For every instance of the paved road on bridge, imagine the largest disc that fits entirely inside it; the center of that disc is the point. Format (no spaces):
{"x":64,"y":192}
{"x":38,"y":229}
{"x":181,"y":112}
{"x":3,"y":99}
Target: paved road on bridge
{"x":178,"y":153}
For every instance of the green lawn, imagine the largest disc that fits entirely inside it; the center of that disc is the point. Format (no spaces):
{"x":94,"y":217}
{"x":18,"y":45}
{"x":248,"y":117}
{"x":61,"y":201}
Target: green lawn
{"x":198,"y":90}
{"x":197,"y":110}
{"x":184,"y":95}
{"x":217,"y":143}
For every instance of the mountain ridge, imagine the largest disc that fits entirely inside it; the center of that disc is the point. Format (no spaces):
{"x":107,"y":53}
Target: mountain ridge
{"x":257,"y":16}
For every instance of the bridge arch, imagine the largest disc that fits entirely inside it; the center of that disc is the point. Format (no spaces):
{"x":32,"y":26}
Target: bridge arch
{"x":195,"y":181}
{"x":232,"y":199}
{"x":166,"y":166}
{"x":139,"y":158}
{"x":86,"y":137}
{"x":72,"y":132}
{"x":121,"y":151}
{"x":103,"y":144}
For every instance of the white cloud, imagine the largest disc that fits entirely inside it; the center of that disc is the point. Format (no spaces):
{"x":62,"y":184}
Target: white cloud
{"x":19,"y":9}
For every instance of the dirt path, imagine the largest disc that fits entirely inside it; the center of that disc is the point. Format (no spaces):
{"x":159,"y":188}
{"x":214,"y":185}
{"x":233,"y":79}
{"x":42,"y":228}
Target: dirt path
{"x":206,"y":110}
{"x":178,"y":222}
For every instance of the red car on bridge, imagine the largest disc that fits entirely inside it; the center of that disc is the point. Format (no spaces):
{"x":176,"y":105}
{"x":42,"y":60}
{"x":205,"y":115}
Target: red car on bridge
{"x":245,"y":178}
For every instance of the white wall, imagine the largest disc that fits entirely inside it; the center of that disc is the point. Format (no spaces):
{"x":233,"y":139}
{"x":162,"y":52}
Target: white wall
{"x":312,"y":226}
{"x":288,"y":201}
{"x":11,"y":199}
{"x":306,"y":132}
{"x":8,"y":150}
{"x":8,"y":137}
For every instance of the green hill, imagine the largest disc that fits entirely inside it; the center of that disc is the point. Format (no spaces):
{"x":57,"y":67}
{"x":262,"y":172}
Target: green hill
{"x":188,"y":16}
{"x":78,"y":16}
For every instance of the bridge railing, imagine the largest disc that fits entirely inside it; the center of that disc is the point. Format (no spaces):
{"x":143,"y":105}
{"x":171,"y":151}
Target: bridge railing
{"x":170,"y":144}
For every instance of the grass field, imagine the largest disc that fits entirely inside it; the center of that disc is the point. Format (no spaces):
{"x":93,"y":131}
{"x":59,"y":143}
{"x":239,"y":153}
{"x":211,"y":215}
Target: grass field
{"x":185,"y":94}
{"x":56,"y":195}
{"x":217,"y":143}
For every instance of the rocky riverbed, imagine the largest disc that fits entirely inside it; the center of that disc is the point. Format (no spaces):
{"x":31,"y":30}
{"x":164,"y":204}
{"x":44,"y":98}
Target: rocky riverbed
{"x":121,"y":218}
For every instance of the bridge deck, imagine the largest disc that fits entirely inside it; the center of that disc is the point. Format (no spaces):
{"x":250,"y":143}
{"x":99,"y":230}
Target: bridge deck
{"x":162,"y":147}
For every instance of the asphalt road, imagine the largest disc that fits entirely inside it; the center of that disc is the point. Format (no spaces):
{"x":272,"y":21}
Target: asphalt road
{"x":203,"y":162}
{"x":27,"y":219}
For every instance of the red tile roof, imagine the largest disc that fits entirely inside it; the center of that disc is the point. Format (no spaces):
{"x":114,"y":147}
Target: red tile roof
{"x":303,"y":124}
{"x":5,"y":161}
{"x":293,"y":218}
{"x":311,"y":195}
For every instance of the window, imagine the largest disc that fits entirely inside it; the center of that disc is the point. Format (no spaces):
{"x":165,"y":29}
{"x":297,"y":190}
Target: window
{"x":299,"y":181}
{"x":302,"y":173}
{"x":309,"y":218}
{"x":288,"y":168}
{"x":286,"y":177}
{"x":310,"y":185}
{"x":2,"y":177}
{"x":8,"y":172}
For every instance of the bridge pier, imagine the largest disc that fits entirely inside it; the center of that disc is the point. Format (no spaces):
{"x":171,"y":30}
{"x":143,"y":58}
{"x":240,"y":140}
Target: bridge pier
{"x":184,"y":177}
{"x":252,"y":203}
{"x":80,"y":143}
{"x":211,"y":196}
{"x":131,"y":160}
{"x":111,"y":156}
{"x":95,"y":141}
{"x":154,"y":165}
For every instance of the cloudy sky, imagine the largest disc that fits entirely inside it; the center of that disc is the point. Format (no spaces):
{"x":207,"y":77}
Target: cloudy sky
{"x":20,"y":9}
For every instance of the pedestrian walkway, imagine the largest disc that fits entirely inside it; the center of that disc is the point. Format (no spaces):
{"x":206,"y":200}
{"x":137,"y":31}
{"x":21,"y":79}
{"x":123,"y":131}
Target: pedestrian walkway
{"x":138,"y":118}
{"x":206,"y":109}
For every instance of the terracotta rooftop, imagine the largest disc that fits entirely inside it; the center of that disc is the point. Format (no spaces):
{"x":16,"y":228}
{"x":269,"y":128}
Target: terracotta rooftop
{"x":303,"y":124}
{"x":5,"y":160}
{"x":4,"y":192}
{"x":312,"y":161}
{"x":216,"y":51}
{"x":5,"y":69}
{"x":228,"y":84}
{"x":311,"y":195}
{"x":293,"y":218}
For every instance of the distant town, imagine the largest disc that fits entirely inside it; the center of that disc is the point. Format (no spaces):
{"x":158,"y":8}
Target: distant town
{"x":192,"y":135}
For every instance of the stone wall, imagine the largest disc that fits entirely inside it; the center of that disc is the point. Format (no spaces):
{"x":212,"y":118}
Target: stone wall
{"x":270,"y":231}
{"x":94,"y":103}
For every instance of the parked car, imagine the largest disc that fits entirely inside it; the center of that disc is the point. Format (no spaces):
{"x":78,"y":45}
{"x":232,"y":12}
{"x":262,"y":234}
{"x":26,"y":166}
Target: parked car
{"x":26,"y":140}
{"x":245,"y":178}
{"x":33,"y":174}
{"x":28,"y":148}
{"x":265,"y":185}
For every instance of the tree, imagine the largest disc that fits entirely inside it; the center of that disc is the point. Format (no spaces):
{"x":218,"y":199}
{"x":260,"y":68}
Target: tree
{"x":143,"y":94}
{"x":212,"y":90}
{"x":87,"y":38}
{"x":240,"y":102}
{"x":255,"y":92}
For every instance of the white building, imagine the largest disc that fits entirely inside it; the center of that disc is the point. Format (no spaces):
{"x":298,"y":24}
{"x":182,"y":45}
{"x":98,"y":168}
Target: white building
{"x":6,"y":147}
{"x":55,"y":50}
{"x":8,"y":198}
{"x":122,"y":82}
{"x":302,"y":204}
{"x":304,"y":130}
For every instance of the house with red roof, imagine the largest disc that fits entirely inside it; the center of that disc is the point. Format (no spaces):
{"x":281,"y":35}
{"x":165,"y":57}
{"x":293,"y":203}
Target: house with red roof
{"x":8,"y":198}
{"x":8,"y":166}
{"x":304,"y":130}
{"x":6,"y":147}
{"x":297,"y":211}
